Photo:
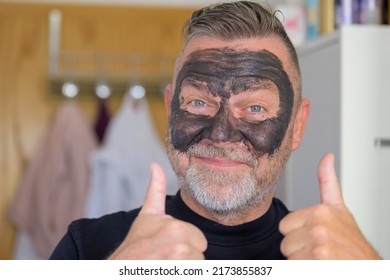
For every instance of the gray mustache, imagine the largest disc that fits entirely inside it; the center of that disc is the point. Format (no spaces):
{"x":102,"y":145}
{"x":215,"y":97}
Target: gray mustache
{"x":209,"y":151}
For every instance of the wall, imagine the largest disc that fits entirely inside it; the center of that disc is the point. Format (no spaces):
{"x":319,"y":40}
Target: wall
{"x":27,"y":105}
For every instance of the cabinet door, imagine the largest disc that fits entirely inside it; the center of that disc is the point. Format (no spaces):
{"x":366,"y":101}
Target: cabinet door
{"x":365,"y":126}
{"x":381,"y":162}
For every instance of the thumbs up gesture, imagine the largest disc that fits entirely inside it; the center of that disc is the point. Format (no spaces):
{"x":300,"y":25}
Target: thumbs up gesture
{"x":327,"y":230}
{"x":156,"y":235}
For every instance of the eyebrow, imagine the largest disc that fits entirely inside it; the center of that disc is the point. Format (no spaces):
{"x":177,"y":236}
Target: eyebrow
{"x":260,"y":84}
{"x":197,"y":84}
{"x":264,"y":84}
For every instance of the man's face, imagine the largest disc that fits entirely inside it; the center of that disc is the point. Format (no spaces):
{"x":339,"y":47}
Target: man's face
{"x":230,"y":112}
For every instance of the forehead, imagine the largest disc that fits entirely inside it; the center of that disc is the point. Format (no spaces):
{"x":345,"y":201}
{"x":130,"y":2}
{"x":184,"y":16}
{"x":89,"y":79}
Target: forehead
{"x":271,"y":44}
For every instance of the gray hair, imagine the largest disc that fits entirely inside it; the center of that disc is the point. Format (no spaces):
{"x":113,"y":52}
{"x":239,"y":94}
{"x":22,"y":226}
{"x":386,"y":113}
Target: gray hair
{"x":238,"y":20}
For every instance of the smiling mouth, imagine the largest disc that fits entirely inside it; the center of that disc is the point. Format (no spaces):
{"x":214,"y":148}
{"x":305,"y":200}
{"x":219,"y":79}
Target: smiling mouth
{"x":221,"y":157}
{"x":220,"y":162}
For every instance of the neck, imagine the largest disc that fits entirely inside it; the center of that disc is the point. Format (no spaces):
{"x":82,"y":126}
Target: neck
{"x":233,"y":218}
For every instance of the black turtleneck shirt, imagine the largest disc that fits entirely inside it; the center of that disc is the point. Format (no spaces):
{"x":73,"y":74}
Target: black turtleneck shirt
{"x":260,"y":239}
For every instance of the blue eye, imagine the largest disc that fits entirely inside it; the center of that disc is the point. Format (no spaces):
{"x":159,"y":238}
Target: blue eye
{"x":255,"y":108}
{"x":198,"y":103}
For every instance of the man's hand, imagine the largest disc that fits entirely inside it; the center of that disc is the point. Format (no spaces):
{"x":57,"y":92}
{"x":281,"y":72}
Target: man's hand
{"x":155,"y":235}
{"x":327,"y":230}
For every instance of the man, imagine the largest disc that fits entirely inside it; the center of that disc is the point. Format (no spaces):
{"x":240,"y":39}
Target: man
{"x":235,"y":115}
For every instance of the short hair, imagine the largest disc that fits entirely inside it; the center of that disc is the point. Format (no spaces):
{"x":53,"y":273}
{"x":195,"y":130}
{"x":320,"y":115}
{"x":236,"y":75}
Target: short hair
{"x":239,"y":20}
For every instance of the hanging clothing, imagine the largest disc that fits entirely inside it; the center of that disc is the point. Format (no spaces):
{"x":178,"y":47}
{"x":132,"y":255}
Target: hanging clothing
{"x":24,"y":248}
{"x":102,"y":119}
{"x":54,"y":187}
{"x":120,"y":169}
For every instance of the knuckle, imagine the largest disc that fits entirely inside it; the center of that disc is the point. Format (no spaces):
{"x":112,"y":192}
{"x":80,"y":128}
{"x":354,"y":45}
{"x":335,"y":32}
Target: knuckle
{"x":320,"y":211}
{"x":181,"y":249}
{"x":319,"y":233}
{"x":321,"y":252}
{"x":175,"y":227}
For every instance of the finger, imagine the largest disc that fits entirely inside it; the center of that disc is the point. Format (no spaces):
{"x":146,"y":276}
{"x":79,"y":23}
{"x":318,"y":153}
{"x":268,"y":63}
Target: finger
{"x":183,"y":253}
{"x":197,"y":238}
{"x":294,"y":220}
{"x":193,"y":255}
{"x":295,"y":241}
{"x":196,"y":256}
{"x":154,"y":202}
{"x":304,"y":254}
{"x":329,"y":185}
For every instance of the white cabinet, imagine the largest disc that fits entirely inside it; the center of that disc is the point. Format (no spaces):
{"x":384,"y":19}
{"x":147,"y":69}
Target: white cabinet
{"x":346,"y":76}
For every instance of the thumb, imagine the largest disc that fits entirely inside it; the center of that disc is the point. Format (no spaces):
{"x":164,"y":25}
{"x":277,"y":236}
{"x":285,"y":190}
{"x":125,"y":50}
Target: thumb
{"x":154,"y":202}
{"x":329,"y":185}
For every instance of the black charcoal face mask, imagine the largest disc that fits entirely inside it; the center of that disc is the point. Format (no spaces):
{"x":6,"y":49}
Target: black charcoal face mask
{"x":227,"y":72}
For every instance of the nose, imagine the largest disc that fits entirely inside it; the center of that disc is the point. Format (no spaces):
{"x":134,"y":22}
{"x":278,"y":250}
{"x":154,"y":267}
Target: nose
{"x":223,"y":129}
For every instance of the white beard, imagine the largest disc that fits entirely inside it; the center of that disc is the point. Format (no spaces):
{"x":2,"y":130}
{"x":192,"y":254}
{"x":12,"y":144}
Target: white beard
{"x":222,"y":192}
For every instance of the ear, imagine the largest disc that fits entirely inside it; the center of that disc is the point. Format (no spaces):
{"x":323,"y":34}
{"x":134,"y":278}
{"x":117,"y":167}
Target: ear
{"x":167,"y":98}
{"x":300,"y":123}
